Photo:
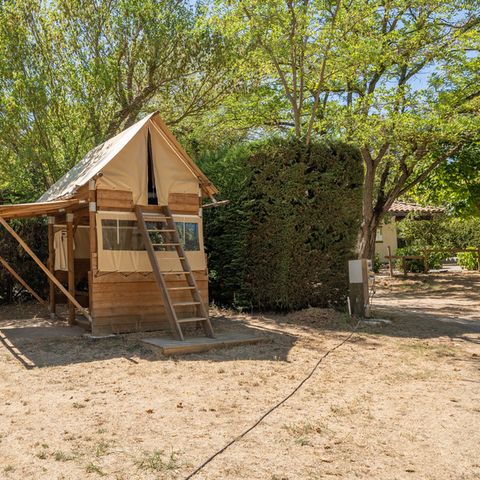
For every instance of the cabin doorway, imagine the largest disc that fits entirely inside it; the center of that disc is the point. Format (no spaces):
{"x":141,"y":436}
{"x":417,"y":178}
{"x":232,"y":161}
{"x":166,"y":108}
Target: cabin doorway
{"x":152,"y":190}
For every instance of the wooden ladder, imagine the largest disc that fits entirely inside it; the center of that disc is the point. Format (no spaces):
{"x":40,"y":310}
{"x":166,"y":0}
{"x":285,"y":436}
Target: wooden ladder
{"x":171,"y":242}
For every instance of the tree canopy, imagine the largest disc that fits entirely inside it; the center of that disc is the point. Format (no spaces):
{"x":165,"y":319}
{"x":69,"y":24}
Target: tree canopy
{"x":399,"y":79}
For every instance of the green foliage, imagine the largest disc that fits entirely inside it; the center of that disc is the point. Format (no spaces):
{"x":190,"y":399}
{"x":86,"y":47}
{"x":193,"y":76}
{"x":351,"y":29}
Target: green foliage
{"x":34,"y":232}
{"x":73,"y":73}
{"x":456,"y":183}
{"x":377,"y":263}
{"x":284,"y":240}
{"x":435,"y":260}
{"x":442,"y":231}
{"x":468,"y":260}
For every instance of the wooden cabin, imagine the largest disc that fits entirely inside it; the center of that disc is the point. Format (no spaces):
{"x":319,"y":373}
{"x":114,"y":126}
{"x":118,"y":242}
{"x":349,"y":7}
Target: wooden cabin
{"x":125,"y":235}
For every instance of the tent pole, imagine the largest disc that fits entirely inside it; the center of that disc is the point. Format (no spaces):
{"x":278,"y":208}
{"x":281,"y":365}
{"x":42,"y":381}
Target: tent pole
{"x":71,"y":268}
{"x":51,"y":266}
{"x":59,"y":285}
{"x":21,"y":281}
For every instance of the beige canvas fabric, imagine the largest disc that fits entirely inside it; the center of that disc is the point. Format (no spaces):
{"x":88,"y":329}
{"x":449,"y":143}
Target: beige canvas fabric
{"x":81,"y":245}
{"x":171,"y":173}
{"x":122,"y":163}
{"x":137,"y":261}
{"x":128,"y":170}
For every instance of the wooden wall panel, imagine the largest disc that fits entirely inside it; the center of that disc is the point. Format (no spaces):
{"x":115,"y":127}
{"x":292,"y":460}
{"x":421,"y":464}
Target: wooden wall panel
{"x":118,"y":200}
{"x":132,"y":303}
{"x":188,"y":203}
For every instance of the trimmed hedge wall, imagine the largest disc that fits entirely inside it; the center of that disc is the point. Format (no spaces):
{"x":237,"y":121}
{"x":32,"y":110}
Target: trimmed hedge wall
{"x":284,"y":240}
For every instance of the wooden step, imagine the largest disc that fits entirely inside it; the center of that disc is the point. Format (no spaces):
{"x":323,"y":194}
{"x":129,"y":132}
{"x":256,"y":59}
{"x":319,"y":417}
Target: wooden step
{"x":184,"y":304}
{"x":179,"y":272}
{"x":181,"y":288}
{"x":191,"y":319}
{"x":165,"y":244}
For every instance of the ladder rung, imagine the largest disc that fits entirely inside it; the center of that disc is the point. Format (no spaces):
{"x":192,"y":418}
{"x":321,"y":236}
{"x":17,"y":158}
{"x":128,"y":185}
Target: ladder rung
{"x":180,"y":288}
{"x":176,"y":272}
{"x":164,"y":244}
{"x":184,"y":304}
{"x":191,"y":319}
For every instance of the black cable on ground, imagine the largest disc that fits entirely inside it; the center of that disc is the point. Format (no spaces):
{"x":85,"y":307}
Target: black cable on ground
{"x":277,"y":405}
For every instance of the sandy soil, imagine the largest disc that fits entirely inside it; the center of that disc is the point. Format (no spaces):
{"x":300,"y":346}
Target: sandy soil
{"x":397,"y":401}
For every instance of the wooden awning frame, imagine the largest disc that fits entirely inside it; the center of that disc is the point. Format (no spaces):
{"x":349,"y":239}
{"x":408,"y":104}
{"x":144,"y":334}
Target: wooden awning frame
{"x":23,"y":210}
{"x":47,"y":272}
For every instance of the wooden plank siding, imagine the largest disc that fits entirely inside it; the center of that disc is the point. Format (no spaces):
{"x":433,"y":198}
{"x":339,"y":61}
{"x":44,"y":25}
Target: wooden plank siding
{"x":118,"y":200}
{"x":187,"y":203}
{"x":129,"y":303}
{"x":122,"y":201}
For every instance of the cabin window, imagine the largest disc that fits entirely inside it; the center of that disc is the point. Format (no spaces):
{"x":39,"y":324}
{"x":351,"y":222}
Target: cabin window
{"x":124,"y":235}
{"x":188,"y":233}
{"x":121,"y":235}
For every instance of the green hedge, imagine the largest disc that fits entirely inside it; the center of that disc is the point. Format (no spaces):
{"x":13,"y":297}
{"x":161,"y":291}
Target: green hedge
{"x":34,"y":232}
{"x":468,"y":260}
{"x":284,"y":240}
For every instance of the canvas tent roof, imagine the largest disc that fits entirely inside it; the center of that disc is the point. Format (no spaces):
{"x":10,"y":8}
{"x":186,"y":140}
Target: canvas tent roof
{"x":100,"y":156}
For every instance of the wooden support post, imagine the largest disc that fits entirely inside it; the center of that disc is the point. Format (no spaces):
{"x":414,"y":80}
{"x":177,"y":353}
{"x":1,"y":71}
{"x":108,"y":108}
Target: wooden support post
{"x":92,"y":222}
{"x":478,"y":259}
{"x":425,"y":261}
{"x":92,"y":211}
{"x":71,"y":268}
{"x":51,"y":266}
{"x":21,"y":281}
{"x":390,"y":264}
{"x":59,"y":285}
{"x":404,"y":265}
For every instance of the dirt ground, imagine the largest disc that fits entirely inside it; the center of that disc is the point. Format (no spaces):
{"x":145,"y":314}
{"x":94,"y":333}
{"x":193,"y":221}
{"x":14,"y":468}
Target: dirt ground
{"x":398,"y":400}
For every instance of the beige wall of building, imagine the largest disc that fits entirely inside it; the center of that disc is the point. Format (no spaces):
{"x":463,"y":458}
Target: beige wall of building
{"x":386,"y":237}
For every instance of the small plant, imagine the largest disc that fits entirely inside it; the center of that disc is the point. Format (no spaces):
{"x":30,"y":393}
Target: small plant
{"x":60,"y":456}
{"x":102,"y":448}
{"x":303,"y":441}
{"x":155,"y":461}
{"x":41,"y":455}
{"x":9,"y":469}
{"x":92,"y":468}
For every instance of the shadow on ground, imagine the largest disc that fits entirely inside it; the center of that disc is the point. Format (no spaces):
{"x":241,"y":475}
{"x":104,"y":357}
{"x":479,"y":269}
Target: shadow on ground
{"x":51,"y":344}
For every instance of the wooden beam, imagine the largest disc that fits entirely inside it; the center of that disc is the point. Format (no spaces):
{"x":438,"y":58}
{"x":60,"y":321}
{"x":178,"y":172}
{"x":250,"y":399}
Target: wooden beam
{"x":71,"y":268}
{"x":92,"y":222}
{"x":20,"y":280}
{"x":390,"y":265}
{"x":19,"y":239}
{"x":51,"y":265}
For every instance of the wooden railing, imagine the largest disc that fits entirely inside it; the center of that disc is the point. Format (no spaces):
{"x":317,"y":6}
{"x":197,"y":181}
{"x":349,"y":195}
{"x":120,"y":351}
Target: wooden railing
{"x":424,"y":257}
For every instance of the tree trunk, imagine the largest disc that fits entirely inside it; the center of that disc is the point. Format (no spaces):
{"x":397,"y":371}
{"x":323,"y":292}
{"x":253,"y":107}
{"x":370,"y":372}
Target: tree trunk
{"x":367,"y":237}
{"x":371,"y":218}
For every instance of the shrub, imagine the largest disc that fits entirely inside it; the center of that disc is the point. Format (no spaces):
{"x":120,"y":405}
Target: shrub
{"x":284,"y":240}
{"x":435,"y":260}
{"x":34,"y":232}
{"x":468,"y":260}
